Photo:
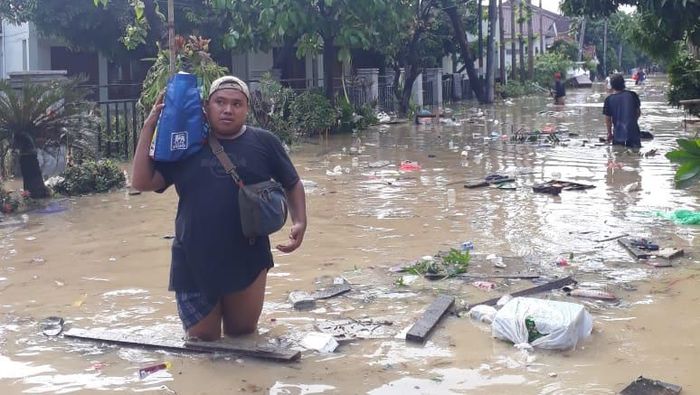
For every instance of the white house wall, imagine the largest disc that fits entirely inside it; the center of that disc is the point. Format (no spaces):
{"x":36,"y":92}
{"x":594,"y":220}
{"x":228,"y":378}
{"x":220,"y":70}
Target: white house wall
{"x":14,"y":37}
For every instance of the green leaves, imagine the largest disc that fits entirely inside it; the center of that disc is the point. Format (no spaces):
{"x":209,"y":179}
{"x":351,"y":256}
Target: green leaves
{"x":688,"y":155}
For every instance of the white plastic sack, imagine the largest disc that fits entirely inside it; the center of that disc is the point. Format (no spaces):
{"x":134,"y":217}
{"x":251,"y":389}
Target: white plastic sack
{"x":562,"y":324}
{"x":482,"y":313}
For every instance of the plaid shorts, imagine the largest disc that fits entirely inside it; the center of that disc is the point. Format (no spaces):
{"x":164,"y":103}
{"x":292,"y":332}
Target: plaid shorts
{"x":192,"y":307}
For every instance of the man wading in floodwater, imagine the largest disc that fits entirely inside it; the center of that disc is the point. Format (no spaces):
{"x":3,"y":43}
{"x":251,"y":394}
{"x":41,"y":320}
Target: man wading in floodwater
{"x":622,"y":109}
{"x":217,"y":273}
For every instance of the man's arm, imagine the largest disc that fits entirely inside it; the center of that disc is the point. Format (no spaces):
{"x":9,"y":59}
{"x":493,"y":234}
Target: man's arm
{"x":296,"y":198}
{"x":144,"y":175}
{"x":608,"y":126}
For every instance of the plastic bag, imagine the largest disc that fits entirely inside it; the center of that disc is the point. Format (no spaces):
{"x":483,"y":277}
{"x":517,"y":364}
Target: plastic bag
{"x":529,"y":322}
{"x":482,"y":313}
{"x":181,"y":130}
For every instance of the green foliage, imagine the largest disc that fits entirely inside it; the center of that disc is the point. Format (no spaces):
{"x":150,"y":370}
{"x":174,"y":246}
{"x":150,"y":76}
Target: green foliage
{"x":514,"y":88}
{"x":271,"y":107}
{"x":312,"y":114}
{"x":684,"y":78}
{"x":688,"y":157}
{"x":192,"y":56}
{"x":566,"y":48}
{"x":90,"y":177}
{"x":549,"y":63}
{"x":449,"y":264}
{"x":42,"y":115}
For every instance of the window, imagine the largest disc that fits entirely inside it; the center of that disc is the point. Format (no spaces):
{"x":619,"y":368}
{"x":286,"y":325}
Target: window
{"x":25,"y":50}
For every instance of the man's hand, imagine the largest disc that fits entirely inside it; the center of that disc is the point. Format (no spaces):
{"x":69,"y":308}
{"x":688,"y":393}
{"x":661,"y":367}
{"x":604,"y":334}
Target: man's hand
{"x":296,"y":236}
{"x":153,"y":116}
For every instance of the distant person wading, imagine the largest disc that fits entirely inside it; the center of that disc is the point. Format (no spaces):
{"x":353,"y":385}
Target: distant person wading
{"x":559,"y":92}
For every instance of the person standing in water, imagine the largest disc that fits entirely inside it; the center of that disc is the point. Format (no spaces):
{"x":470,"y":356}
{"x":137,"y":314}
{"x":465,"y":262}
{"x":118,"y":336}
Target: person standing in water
{"x":559,"y":92}
{"x":622,"y":109}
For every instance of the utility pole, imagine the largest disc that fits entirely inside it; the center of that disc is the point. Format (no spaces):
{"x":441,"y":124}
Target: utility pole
{"x":171,"y":35}
{"x":480,"y":16}
{"x":580,"y":39}
{"x":502,"y":44}
{"x":605,"y":47}
{"x":530,"y":43}
{"x":491,"y":53}
{"x":541,"y":30}
{"x":513,"y":63}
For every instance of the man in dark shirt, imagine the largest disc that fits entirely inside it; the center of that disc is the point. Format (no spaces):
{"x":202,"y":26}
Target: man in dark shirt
{"x":559,"y":92}
{"x":622,"y":109}
{"x":217,"y":273}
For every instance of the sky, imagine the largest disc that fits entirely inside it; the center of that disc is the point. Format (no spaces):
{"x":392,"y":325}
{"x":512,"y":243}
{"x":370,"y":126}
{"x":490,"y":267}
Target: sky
{"x":550,"y":5}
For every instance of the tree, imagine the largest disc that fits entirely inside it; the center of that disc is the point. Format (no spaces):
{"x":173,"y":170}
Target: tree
{"x":502,"y":42}
{"x":451,"y":9}
{"x":513,"y":63}
{"x":530,"y":43}
{"x":491,"y":53}
{"x":521,"y":40}
{"x":41,"y":116}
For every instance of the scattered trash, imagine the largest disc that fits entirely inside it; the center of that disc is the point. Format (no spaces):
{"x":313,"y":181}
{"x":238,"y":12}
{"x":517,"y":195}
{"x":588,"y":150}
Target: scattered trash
{"x":548,"y":324}
{"x":633,"y":187}
{"x":482,"y":313}
{"x":148,"y":370}
{"x":345,"y":330}
{"x":485,"y":285}
{"x":561,"y":261}
{"x":589,"y":293}
{"x":644,"y":386}
{"x":378,"y":164}
{"x":168,"y":237}
{"x":408,"y":165}
{"x":337,"y":171}
{"x":301,"y":300}
{"x":321,"y":342}
{"x":467,"y":246}
{"x":51,"y":326}
{"x":491,"y":179}
{"x":682,"y":217}
{"x":554,"y":187}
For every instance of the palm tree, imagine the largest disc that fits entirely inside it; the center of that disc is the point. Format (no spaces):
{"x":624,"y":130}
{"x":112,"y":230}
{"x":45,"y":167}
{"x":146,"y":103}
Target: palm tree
{"x":38,"y":116}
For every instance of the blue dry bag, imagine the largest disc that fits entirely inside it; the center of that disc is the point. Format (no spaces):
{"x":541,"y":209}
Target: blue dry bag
{"x":181,"y":130}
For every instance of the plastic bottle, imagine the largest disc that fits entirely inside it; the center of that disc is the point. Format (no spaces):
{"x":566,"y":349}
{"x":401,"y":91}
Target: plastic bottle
{"x":467,"y":246}
{"x":145,"y":371}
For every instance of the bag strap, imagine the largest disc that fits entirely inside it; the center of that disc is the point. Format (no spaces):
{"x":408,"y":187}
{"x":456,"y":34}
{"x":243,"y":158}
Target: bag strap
{"x":225,"y":161}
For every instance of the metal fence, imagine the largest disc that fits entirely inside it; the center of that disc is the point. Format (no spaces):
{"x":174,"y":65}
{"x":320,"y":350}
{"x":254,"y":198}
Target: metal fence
{"x":119,"y":130}
{"x":428,"y":96}
{"x":447,"y":89}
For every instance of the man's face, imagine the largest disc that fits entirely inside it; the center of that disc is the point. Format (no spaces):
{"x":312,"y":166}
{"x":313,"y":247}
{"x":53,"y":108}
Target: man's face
{"x":227,"y":110}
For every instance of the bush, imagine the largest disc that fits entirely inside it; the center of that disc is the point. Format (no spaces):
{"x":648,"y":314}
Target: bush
{"x":549,"y":63}
{"x":12,"y":201}
{"x":684,"y":78}
{"x":514,"y":89}
{"x":312,"y":113}
{"x":90,"y":177}
{"x":271,"y":105}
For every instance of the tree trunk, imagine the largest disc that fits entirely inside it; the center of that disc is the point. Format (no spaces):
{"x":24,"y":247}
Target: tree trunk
{"x":521,"y":41}
{"x":582,"y":34}
{"x":480,"y":25}
{"x":605,"y":48}
{"x":329,"y":61}
{"x":541,"y":30}
{"x":513,"y":63}
{"x":491,"y":54}
{"x":411,"y":75}
{"x":502,"y":42}
{"x":32,"y":180}
{"x":461,"y":36}
{"x":530,"y":43}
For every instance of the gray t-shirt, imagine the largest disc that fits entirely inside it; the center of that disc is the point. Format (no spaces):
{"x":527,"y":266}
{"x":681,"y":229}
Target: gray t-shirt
{"x":209,"y":252}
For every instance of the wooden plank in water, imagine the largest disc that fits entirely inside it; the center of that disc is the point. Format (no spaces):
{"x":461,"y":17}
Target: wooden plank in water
{"x":644,"y":386}
{"x":509,"y":276}
{"x":556,"y":284}
{"x":636,"y":252}
{"x":475,"y":183}
{"x":142,"y":341}
{"x":421,"y":329}
{"x":610,"y":238}
{"x":263,"y":352}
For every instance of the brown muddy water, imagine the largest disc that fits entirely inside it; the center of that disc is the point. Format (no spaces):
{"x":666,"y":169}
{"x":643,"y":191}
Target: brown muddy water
{"x":103,"y":263}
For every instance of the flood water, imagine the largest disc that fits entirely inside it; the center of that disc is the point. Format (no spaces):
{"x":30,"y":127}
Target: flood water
{"x":103,"y":264}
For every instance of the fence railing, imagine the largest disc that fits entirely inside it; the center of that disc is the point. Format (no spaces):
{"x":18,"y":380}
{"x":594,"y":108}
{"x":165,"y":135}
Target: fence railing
{"x":428,"y":96}
{"x":447,"y":89}
{"x":119,"y":131}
